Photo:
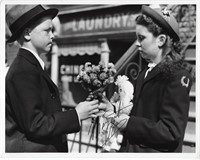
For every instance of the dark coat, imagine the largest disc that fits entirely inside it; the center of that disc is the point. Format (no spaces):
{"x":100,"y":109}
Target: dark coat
{"x":160,"y":113}
{"x":34,"y":118}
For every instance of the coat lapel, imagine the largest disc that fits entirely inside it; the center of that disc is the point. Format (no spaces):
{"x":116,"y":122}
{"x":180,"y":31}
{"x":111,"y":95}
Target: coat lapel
{"x":152,"y":74}
{"x":141,"y":81}
{"x":139,"y":84}
{"x":31,"y":58}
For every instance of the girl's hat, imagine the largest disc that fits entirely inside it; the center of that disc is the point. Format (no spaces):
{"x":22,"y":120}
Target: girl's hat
{"x":164,"y":19}
{"x":21,"y":16}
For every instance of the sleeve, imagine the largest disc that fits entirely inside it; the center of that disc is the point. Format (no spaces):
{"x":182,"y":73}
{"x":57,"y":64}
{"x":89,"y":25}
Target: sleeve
{"x":168,"y":131}
{"x":30,"y":110}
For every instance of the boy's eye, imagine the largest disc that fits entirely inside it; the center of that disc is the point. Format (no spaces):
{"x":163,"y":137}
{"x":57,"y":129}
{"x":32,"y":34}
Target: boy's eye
{"x":48,"y":29}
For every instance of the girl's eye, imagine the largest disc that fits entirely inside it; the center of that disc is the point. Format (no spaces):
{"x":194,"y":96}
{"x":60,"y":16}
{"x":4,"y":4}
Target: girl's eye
{"x":140,"y":38}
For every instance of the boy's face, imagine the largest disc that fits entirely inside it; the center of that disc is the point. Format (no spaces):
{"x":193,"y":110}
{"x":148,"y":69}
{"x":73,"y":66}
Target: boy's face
{"x":41,"y":35}
{"x":147,"y":43}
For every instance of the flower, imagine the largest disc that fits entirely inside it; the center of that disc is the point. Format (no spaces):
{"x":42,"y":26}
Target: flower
{"x":110,"y":65}
{"x":125,"y":93}
{"x":102,"y":76}
{"x":94,"y":77}
{"x":126,"y":87}
{"x":96,"y":83}
{"x":121,"y":79}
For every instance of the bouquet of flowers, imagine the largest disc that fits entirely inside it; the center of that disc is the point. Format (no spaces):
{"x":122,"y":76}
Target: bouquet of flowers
{"x":110,"y":135}
{"x":96,"y":78}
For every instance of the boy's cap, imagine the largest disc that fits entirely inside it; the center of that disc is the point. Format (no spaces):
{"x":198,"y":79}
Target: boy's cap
{"x":20,"y":16}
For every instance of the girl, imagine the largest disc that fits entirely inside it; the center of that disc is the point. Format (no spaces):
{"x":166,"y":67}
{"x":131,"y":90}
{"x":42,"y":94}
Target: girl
{"x":158,"y":119}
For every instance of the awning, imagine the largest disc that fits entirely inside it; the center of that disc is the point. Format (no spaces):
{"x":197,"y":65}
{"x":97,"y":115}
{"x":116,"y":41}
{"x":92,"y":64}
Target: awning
{"x":89,"y":48}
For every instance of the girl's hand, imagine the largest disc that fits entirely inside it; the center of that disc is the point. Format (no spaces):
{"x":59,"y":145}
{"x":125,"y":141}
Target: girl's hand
{"x":114,"y":98}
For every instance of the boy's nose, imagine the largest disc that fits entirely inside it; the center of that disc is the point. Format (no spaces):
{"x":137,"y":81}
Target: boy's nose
{"x":52,"y":35}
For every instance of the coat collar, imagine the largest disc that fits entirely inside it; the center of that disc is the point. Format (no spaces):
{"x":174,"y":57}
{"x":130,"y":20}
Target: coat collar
{"x":30,"y":57}
{"x":36,"y":56}
{"x":154,"y":72}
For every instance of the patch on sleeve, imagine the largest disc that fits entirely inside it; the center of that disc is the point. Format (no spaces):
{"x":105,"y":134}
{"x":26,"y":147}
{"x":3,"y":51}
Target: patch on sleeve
{"x":185,"y":81}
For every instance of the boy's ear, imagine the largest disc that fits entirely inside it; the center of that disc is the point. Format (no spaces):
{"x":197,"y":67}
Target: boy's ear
{"x":162,"y":40}
{"x":27,"y":34}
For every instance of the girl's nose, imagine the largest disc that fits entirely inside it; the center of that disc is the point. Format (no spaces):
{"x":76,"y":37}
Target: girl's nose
{"x":138,"y":43}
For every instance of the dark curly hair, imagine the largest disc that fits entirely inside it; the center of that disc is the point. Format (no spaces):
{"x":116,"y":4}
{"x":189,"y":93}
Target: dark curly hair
{"x":156,"y":30}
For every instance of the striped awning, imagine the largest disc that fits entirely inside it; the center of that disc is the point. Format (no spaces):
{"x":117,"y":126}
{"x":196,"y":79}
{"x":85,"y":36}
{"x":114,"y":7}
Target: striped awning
{"x":81,"y":49}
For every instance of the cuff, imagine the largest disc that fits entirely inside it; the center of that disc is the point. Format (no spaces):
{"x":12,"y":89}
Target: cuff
{"x":78,"y":117}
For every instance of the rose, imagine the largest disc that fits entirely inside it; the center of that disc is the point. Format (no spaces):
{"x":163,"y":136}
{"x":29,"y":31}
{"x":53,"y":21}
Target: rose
{"x":93,"y":76}
{"x":97,"y":83}
{"x":86,"y":78}
{"x":102,"y":76}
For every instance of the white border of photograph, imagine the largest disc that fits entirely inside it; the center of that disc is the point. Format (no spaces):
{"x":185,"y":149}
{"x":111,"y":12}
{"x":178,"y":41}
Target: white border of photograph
{"x":63,"y":156}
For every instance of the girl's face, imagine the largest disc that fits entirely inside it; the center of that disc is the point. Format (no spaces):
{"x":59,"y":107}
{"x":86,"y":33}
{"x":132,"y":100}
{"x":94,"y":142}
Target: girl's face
{"x":148,"y":44}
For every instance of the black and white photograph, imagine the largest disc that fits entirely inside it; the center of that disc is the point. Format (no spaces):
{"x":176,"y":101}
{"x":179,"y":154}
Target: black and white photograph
{"x":99,"y":79}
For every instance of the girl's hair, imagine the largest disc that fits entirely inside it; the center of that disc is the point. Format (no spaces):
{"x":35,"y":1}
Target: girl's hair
{"x":156,"y":30}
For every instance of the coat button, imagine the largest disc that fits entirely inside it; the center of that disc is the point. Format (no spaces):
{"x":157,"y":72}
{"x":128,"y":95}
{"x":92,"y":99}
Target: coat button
{"x":53,"y":96}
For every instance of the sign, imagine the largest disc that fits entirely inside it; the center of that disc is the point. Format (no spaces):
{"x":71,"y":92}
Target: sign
{"x":102,"y":23}
{"x":71,"y":71}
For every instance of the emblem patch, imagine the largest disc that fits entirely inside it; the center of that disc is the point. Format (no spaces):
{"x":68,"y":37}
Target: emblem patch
{"x":166,"y":14}
{"x":185,"y":81}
